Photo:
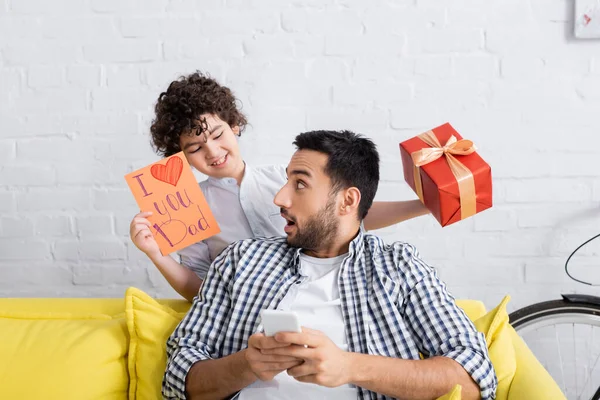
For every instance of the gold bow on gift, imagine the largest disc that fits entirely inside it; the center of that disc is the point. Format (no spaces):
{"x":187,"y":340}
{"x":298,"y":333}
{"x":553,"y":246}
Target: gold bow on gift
{"x":464,"y":176}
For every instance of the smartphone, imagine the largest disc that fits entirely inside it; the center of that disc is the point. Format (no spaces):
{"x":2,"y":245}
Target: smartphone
{"x":274,"y":321}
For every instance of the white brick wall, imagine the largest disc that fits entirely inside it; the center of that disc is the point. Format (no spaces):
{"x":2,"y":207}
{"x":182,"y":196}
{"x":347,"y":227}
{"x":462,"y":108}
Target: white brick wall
{"x":78,"y":81}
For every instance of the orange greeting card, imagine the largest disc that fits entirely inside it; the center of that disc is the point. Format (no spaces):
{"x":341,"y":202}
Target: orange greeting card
{"x":169,"y":189}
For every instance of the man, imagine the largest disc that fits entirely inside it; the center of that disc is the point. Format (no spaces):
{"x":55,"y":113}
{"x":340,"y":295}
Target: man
{"x":369,"y":310}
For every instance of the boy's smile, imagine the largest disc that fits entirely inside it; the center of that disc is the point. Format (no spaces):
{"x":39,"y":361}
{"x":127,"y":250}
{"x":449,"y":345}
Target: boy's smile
{"x":214,"y":151}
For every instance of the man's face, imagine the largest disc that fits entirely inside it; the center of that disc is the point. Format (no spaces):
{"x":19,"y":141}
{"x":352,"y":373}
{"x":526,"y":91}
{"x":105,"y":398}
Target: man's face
{"x":215,"y":152}
{"x":306,"y":202}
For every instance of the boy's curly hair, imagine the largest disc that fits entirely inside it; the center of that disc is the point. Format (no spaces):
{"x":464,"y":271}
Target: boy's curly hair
{"x":179,"y":108}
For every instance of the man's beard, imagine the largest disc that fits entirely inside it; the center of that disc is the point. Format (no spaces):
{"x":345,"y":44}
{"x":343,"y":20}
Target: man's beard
{"x":319,"y":231}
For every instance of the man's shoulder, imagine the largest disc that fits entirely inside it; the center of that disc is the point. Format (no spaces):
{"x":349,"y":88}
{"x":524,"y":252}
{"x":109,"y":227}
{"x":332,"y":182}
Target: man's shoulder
{"x":259,"y":246}
{"x":399,"y":256}
{"x":398,"y":248}
{"x":398,"y":260}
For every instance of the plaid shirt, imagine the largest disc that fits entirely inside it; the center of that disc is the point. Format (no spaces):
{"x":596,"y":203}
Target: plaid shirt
{"x":393,"y":305}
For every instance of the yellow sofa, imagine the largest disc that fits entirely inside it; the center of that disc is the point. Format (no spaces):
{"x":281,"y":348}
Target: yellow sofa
{"x":115,"y":349}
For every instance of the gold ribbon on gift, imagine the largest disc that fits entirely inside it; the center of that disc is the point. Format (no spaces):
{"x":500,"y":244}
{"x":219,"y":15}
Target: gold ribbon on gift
{"x":464,"y":177}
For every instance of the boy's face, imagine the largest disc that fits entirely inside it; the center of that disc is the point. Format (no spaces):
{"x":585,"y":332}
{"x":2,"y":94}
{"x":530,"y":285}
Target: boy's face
{"x":215,"y":152}
{"x":306,"y":202}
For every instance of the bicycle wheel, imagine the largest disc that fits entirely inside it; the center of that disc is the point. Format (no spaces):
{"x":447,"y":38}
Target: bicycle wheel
{"x":564,"y":335}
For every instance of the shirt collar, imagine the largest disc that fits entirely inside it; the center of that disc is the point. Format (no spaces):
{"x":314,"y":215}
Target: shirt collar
{"x":229,"y":182}
{"x":296,"y":259}
{"x":357,"y":244}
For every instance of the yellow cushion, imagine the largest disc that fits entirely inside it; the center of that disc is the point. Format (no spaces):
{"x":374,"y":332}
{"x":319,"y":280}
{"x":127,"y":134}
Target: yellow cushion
{"x":473,"y":308}
{"x":62,"y":356}
{"x":454,"y":394}
{"x":150,"y":324}
{"x":494,"y":325}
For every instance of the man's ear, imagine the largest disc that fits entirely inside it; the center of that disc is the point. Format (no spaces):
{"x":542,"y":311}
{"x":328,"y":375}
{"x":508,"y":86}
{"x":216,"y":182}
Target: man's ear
{"x":350,"y":201}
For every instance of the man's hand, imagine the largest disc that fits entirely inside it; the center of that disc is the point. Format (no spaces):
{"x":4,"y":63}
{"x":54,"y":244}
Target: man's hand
{"x":264,"y":365}
{"x":325,"y":364}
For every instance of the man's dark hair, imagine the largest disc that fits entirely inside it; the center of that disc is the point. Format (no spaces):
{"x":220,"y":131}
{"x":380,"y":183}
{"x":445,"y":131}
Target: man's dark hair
{"x":353,"y":161}
{"x":179,"y":108}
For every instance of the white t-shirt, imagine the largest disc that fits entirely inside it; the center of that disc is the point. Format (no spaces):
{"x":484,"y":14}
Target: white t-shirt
{"x":242,"y":212}
{"x":317,"y":302}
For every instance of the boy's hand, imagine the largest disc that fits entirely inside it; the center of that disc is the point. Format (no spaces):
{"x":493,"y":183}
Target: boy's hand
{"x":141,"y":235}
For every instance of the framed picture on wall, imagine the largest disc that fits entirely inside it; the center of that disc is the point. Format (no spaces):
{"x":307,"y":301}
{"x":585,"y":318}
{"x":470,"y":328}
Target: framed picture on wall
{"x":587,"y":19}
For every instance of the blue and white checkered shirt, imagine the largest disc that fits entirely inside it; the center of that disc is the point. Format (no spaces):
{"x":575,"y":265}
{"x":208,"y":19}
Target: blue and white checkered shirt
{"x":393,"y":305}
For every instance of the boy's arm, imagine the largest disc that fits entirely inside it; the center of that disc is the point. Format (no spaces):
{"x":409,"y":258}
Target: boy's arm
{"x":182,"y":279}
{"x":386,"y":213}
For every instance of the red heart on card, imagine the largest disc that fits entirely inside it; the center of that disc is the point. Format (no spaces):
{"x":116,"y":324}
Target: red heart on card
{"x":168,"y":173}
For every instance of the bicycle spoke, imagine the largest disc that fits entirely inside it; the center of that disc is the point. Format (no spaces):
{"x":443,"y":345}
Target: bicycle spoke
{"x":589,"y":377}
{"x":562,"y":371}
{"x":575,"y":359}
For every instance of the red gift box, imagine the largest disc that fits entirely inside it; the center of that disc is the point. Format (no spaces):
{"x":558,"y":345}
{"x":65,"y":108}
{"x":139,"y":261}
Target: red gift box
{"x":449,"y":177}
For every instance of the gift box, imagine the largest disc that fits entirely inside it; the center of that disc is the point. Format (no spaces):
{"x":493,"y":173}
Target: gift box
{"x":447,"y":174}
